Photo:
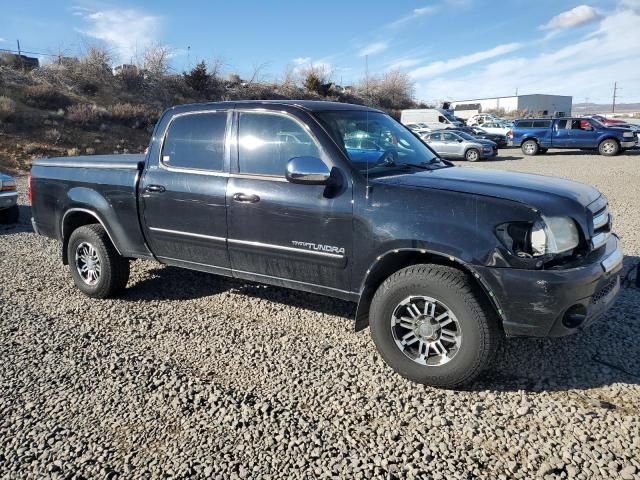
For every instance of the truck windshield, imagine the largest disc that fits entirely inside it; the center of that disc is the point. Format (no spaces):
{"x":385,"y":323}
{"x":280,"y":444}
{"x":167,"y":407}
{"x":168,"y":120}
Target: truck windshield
{"x":374,"y":142}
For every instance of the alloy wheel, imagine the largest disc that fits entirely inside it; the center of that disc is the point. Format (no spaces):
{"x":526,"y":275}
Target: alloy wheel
{"x":88,"y":263}
{"x":426,"y":331}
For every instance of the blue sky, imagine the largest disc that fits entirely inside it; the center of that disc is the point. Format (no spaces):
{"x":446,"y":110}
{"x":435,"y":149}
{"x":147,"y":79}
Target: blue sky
{"x":452,"y":49}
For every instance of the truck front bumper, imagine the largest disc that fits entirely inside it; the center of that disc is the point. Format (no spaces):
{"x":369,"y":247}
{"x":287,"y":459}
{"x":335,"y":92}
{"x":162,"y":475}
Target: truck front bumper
{"x":8,"y":199}
{"x":630,"y":144}
{"x":541,"y":303}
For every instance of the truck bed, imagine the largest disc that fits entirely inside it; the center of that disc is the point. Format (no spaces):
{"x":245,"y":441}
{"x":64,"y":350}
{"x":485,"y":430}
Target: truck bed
{"x":104,"y":186}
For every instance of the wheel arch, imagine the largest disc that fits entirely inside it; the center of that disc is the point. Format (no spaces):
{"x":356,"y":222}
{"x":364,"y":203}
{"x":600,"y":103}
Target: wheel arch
{"x":75,"y":218}
{"x":393,"y":260}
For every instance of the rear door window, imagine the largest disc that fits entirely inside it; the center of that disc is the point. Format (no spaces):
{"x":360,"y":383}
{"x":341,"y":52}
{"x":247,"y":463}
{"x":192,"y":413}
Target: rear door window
{"x":196,"y":142}
{"x":562,"y":125}
{"x":266,"y":143}
{"x":542,"y":124}
{"x":525,"y":124}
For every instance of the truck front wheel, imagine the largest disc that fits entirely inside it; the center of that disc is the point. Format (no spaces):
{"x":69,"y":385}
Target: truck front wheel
{"x":530,"y":147}
{"x":97,"y":268}
{"x":609,"y":147}
{"x":430,"y":326}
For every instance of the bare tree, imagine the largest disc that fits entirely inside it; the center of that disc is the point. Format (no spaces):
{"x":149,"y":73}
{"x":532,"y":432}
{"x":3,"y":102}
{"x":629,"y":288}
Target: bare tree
{"x":394,"y":89}
{"x":156,"y":61}
{"x":257,"y":74}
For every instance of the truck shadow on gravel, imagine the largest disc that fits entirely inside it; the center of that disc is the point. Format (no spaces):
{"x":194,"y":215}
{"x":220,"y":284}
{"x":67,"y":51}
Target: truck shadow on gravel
{"x":603,"y":354}
{"x":173,"y":283}
{"x":23,"y":225}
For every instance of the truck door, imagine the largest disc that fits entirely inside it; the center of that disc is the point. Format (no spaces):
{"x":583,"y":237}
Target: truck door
{"x":562,"y":134}
{"x":183,"y":193}
{"x":583,"y":133}
{"x":281,"y":232}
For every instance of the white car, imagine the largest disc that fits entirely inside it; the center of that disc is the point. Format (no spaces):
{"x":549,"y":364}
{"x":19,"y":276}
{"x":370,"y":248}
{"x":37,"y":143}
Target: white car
{"x":496,"y":127}
{"x":419,"y":128}
{"x":481,"y":119}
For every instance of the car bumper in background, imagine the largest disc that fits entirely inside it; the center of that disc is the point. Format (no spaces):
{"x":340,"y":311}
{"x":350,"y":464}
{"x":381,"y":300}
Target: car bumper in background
{"x":541,"y":303}
{"x":630,"y":144}
{"x":8,"y":199}
{"x":489,"y":154}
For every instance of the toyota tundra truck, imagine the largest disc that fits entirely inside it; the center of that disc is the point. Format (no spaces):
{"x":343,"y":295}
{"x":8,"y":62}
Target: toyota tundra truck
{"x":535,"y":136}
{"x":442,"y":261}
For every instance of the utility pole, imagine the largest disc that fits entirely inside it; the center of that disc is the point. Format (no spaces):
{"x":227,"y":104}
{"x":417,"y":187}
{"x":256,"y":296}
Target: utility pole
{"x":615,"y":94}
{"x":20,"y":55}
{"x":366,"y":73}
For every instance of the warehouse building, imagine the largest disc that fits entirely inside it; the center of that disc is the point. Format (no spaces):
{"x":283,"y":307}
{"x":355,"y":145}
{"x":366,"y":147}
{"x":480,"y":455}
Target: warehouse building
{"x":535,"y":104}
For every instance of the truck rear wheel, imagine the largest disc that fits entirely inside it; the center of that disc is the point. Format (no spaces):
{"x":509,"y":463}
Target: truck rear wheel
{"x":97,"y":268}
{"x":609,"y":147}
{"x":429,"y":325}
{"x":530,"y":147}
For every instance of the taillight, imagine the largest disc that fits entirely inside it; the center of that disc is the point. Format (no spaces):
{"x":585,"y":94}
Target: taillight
{"x":29,"y":191}
{"x":510,"y":134}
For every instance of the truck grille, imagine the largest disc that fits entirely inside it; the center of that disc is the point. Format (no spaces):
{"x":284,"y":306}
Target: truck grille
{"x":601,"y":223}
{"x":604,"y":291}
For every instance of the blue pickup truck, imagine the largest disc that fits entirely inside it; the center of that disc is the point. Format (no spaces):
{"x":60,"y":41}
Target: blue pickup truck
{"x":537,"y":135}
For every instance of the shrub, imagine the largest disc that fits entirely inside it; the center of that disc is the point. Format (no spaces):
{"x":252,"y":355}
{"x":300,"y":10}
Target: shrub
{"x":52,"y":135}
{"x":46,"y":97}
{"x":137,"y":116}
{"x":7,"y":107}
{"x":198,"y":78}
{"x":83,"y":113}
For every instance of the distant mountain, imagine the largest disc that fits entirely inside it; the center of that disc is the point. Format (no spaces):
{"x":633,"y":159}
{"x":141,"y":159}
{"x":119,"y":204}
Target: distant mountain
{"x":605,"y":107}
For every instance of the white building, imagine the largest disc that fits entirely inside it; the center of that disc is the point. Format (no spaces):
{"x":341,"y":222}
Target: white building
{"x":536,"y":104}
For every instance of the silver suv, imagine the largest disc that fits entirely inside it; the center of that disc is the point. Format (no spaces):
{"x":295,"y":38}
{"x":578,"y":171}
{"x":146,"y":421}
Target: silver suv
{"x":458,"y":145}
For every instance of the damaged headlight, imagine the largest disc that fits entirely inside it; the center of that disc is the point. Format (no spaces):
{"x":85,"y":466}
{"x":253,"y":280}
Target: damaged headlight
{"x":549,"y":236}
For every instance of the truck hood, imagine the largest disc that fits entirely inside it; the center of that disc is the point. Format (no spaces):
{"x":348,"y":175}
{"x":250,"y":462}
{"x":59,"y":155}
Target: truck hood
{"x":537,"y":191}
{"x":120,"y":161}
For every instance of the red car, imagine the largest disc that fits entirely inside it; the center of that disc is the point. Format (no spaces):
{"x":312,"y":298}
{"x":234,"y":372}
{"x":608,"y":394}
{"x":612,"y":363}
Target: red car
{"x":607,"y":121}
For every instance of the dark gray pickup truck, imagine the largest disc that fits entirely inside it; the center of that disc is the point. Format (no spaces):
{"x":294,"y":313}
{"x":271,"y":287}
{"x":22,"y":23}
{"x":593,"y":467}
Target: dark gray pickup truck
{"x":342,"y":200}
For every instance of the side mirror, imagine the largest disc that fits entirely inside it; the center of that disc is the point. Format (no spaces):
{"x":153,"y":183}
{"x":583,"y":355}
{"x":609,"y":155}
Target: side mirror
{"x":308,"y":171}
{"x":459,"y":140}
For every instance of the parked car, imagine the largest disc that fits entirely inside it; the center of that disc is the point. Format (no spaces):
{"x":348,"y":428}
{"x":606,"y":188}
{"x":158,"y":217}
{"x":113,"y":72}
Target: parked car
{"x":419,"y":128}
{"x":433,"y":118}
{"x":9,"y":210}
{"x":499,"y":139}
{"x":442,"y":261}
{"x":607,"y":121}
{"x":482,"y":118}
{"x":497,"y":127}
{"x":457,"y":145}
{"x":537,"y":135}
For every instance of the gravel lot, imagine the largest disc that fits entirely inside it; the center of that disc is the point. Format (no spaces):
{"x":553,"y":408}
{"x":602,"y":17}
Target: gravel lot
{"x":191,"y":375}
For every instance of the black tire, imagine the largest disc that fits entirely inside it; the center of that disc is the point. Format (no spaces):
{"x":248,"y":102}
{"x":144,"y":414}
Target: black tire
{"x":477,"y":323}
{"x":530,"y":147}
{"x":114,"y":269}
{"x":609,"y":147}
{"x":10,"y":215}
{"x":472,"y":155}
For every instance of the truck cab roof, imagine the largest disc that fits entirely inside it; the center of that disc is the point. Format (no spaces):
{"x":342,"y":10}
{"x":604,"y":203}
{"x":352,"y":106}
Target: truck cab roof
{"x":308,"y":105}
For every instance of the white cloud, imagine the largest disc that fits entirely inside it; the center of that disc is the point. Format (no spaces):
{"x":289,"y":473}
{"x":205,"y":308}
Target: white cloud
{"x":586,"y":68}
{"x":301,"y":61}
{"x":580,"y":15}
{"x":440,"y":67}
{"x":402,"y":63}
{"x":128,"y":32}
{"x":373,"y":49}
{"x":2,"y":40}
{"x":417,"y":12}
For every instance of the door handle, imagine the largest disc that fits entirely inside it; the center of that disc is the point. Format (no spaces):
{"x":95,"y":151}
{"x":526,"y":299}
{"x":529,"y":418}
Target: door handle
{"x":244,"y":198}
{"x":154,"y":189}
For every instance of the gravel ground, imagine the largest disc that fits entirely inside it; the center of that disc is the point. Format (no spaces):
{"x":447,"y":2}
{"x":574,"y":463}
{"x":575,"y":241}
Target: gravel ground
{"x":191,"y":375}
